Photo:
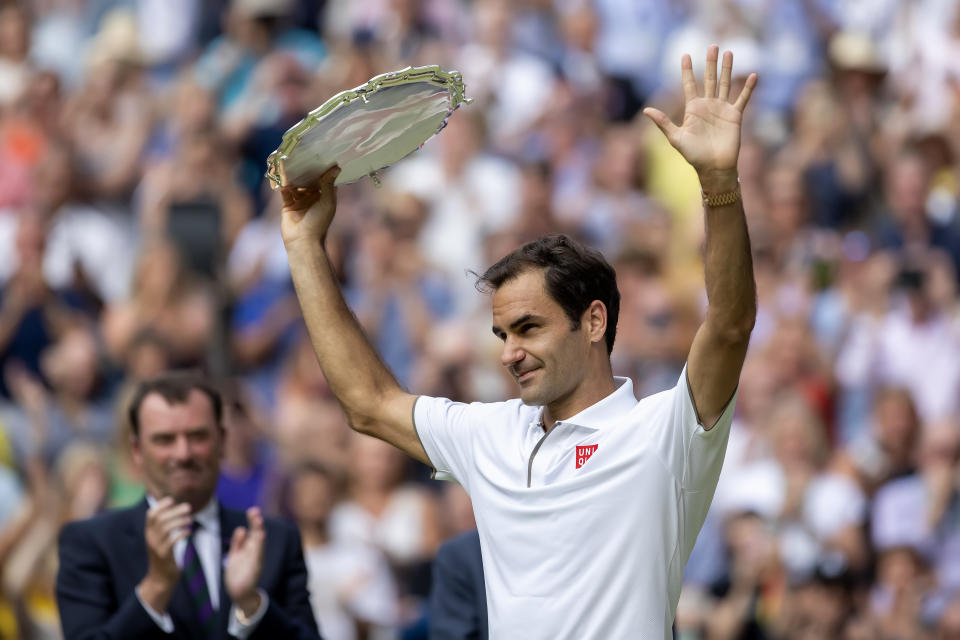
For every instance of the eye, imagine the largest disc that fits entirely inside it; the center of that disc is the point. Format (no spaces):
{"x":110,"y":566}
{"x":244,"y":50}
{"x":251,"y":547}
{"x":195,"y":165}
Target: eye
{"x":501,"y":335}
{"x":527,"y":327}
{"x":200,"y":436}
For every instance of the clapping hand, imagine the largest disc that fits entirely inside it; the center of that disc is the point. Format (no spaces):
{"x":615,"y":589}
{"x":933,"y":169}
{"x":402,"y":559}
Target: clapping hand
{"x":244,"y":563}
{"x":166,"y":523}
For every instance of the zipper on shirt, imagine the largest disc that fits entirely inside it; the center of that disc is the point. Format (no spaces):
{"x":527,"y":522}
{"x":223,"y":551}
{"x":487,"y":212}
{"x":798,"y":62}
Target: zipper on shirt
{"x":533,"y":453}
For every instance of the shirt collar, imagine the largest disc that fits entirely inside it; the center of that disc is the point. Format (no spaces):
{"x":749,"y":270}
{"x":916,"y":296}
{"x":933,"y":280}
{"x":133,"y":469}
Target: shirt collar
{"x":607,"y":411}
{"x":208,"y":517}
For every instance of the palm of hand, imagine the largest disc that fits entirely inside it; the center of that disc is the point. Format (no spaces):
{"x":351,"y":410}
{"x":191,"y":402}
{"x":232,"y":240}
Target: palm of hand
{"x":243,"y":567}
{"x":709,"y":136}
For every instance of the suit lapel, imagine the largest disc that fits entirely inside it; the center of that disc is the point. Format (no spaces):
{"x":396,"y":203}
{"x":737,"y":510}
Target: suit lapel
{"x":133,"y":543}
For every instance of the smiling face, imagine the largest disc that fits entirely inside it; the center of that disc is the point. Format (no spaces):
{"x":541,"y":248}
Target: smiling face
{"x":542,"y":351}
{"x":179,"y":448}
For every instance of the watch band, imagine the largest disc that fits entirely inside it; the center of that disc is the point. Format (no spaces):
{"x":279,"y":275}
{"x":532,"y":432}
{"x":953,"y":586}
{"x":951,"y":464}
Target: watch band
{"x":721,"y":199}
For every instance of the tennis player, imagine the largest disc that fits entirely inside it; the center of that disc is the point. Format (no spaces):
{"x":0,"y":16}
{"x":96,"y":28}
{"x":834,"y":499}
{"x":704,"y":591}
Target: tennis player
{"x":588,"y":501}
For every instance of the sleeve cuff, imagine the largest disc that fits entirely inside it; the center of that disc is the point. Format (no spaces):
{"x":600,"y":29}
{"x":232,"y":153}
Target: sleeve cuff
{"x":162,"y":620}
{"x":242,"y":630}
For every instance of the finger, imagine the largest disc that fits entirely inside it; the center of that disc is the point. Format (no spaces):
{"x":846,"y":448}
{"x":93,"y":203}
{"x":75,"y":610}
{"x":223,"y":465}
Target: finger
{"x":159,"y":506}
{"x":726,"y":70}
{"x":172,"y":512}
{"x":744,"y":96}
{"x":237,"y":539}
{"x":255,"y":520}
{"x":686,"y":76}
{"x":662,"y":121}
{"x":329,"y":175}
{"x":328,"y":190}
{"x":174,"y":525}
{"x":168,"y":542}
{"x":710,"y":72}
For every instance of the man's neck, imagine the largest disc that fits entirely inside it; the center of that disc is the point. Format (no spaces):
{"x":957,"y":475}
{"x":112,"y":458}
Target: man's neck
{"x":588,"y":394}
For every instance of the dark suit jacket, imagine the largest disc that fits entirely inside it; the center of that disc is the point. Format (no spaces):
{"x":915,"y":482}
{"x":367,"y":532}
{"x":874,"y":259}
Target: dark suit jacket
{"x":458,"y":601}
{"x":103,"y":559}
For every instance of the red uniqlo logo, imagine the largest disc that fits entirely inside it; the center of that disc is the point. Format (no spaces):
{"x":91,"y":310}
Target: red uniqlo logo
{"x":584,"y":453}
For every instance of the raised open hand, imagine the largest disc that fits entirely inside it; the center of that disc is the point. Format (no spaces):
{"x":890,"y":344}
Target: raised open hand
{"x":709,"y":136}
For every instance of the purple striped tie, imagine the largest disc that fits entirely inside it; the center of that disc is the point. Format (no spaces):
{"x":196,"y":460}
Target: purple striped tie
{"x":197,"y":583}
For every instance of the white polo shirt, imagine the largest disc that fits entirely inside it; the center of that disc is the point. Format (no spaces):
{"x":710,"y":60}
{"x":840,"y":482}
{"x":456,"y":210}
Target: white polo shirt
{"x":585,"y":529}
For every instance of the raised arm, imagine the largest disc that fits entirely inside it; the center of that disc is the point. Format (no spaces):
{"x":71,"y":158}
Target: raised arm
{"x":709,"y":139}
{"x":374,"y":402}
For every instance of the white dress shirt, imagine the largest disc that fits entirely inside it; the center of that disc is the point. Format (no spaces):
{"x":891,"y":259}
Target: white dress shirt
{"x":206,"y":538}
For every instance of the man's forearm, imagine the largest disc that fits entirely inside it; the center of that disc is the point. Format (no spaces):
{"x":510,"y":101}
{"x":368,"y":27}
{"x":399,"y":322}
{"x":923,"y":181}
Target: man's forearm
{"x":353,"y":369}
{"x":731,"y":291}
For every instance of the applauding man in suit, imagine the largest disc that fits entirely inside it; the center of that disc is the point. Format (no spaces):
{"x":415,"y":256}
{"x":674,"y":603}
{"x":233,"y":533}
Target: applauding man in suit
{"x":179,"y":564}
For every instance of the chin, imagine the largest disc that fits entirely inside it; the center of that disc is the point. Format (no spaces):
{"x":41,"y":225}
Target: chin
{"x":531,"y":396}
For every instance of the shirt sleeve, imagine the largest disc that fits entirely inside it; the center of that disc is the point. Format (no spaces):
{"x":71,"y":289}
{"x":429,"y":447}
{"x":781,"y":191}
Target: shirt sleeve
{"x":692,"y":453}
{"x":163,"y":620}
{"x":447,"y":431}
{"x":242,"y":630}
{"x":695,"y":455}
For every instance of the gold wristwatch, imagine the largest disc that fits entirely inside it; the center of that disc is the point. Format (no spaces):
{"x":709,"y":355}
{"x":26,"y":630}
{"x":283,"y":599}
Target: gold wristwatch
{"x":721,"y":199}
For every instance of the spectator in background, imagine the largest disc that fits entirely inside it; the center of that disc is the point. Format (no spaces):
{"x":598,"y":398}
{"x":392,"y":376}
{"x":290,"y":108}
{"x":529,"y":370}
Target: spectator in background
{"x":351,"y":586}
{"x":252,"y":580}
{"x":78,"y":407}
{"x":383,"y":509}
{"x":32,"y":315}
{"x":168,"y":300}
{"x":458,"y":598}
{"x":910,"y":346}
{"x":920,"y":512}
{"x":108,"y":121}
{"x":198,"y":182}
{"x":29,"y":127}
{"x":15,"y":68}
{"x":817,"y":513}
{"x":244,"y":472}
{"x":398,"y":294}
{"x":905,"y":223}
{"x":888,"y":450}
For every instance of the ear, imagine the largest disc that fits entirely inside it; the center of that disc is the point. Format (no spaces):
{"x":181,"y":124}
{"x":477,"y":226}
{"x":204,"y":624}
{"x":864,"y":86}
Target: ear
{"x":595,"y":321}
{"x":135,"y":451}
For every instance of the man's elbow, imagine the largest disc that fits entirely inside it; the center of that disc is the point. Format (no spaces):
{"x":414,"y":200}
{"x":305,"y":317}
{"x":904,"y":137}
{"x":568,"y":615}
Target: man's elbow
{"x":736,"y":332}
{"x":362,"y":423}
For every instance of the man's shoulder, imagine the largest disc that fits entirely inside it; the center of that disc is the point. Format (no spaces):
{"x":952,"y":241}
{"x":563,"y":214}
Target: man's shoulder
{"x":512,"y":409}
{"x":105,"y":524}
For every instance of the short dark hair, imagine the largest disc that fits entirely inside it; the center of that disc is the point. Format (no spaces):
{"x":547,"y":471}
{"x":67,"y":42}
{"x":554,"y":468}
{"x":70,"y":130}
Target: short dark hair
{"x":575,"y":275}
{"x":175,"y":388}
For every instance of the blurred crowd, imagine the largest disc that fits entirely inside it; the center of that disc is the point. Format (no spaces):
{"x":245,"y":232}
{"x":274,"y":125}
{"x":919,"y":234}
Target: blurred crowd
{"x":137,"y":234}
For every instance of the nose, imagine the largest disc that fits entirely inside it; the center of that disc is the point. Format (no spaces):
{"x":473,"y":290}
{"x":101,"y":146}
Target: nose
{"x":512,"y":353}
{"x":181,"y":448}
